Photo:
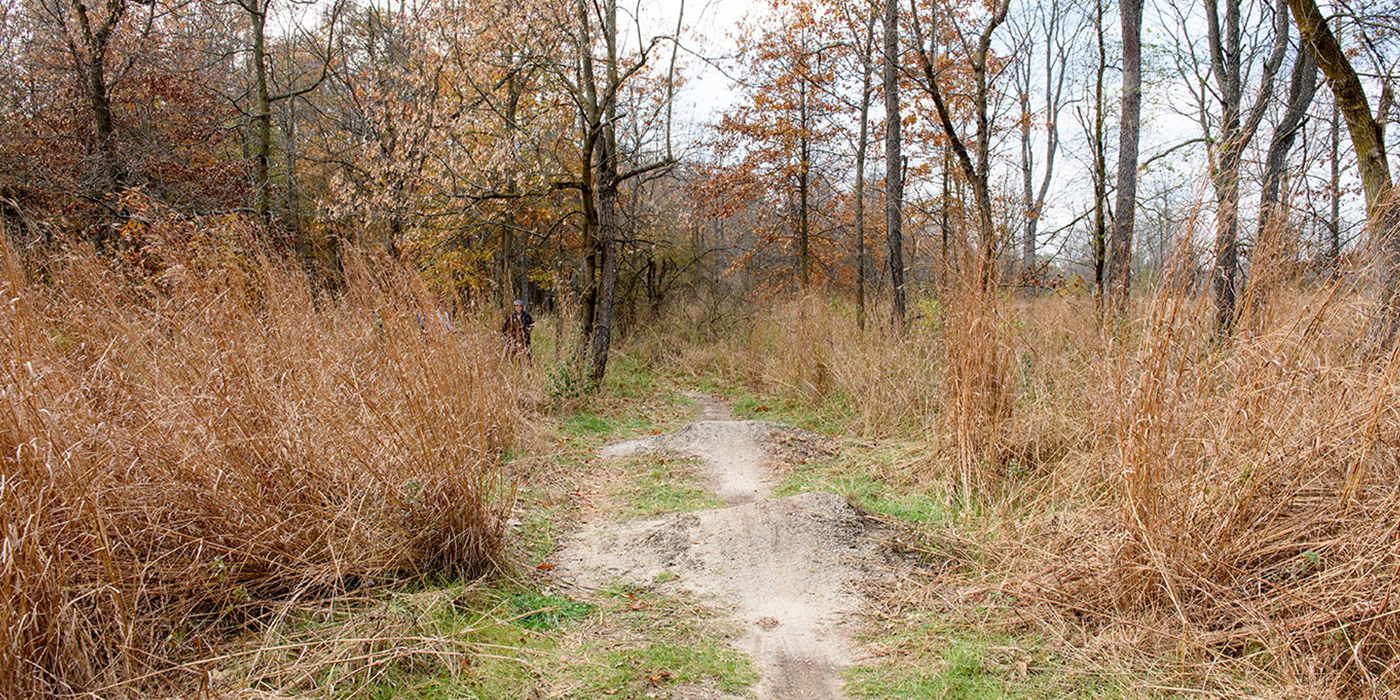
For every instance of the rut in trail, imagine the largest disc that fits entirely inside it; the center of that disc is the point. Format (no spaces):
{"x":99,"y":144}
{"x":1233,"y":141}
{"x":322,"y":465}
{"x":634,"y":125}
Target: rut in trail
{"x":787,"y":570}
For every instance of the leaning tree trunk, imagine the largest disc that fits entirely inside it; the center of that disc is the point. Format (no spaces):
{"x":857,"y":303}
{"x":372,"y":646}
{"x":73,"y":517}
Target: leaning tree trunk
{"x":1368,"y":141}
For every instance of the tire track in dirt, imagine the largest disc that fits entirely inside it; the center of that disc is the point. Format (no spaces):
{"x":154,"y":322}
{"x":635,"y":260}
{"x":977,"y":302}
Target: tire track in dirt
{"x":787,"y":570}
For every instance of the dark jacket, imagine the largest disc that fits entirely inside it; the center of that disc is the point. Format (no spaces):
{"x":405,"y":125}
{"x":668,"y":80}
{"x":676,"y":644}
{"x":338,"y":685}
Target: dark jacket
{"x":517,"y":327}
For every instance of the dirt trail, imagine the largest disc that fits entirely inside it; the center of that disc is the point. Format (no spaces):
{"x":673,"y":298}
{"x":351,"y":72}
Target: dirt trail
{"x":786,"y":570}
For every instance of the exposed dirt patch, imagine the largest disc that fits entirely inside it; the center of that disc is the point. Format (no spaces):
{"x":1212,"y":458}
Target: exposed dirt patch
{"x":788,"y":571}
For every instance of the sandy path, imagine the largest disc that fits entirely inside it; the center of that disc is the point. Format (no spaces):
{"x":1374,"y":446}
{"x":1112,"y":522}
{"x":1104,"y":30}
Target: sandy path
{"x":786,"y":570}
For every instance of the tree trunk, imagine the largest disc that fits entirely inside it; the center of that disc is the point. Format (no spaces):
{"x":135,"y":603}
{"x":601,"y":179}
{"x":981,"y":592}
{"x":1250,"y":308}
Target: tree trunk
{"x":257,"y":10}
{"x":894,"y":177}
{"x":1227,"y":225}
{"x":91,"y":64}
{"x":862,"y":142}
{"x":803,"y":184}
{"x":1236,"y":132}
{"x":943,"y":219}
{"x":977,"y":172}
{"x":1302,"y":87}
{"x":1368,"y":142}
{"x":1120,"y":255}
{"x":1027,"y":187}
{"x":588,"y":283}
{"x":109,"y":172}
{"x":607,"y":284}
{"x":1099,"y":236}
{"x":608,"y":228}
{"x":1334,"y":220}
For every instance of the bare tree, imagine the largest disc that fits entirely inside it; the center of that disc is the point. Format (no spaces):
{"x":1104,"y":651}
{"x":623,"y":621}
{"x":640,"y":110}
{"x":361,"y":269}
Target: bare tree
{"x":1093,"y":121}
{"x":602,"y":177}
{"x":1238,"y":126}
{"x":1052,"y":24}
{"x":88,"y":34}
{"x":975,"y":165}
{"x":866,"y":51}
{"x":264,"y":96}
{"x":1302,"y":88}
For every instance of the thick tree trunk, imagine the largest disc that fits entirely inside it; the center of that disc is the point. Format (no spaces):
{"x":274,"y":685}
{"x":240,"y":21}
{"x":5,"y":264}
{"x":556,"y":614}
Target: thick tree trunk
{"x":894,"y":176}
{"x":588,"y":273}
{"x":109,"y":172}
{"x":588,"y":292}
{"x":1227,"y":225}
{"x":986,"y":228}
{"x":91,"y":64}
{"x":1367,"y":139}
{"x":608,"y":228}
{"x":1121,"y":244}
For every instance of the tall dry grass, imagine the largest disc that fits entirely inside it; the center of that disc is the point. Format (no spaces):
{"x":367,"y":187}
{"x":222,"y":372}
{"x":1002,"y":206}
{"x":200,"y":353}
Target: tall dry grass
{"x":183,"y":447}
{"x":1241,"y":497}
{"x":808,"y":350}
{"x":1232,"y":503}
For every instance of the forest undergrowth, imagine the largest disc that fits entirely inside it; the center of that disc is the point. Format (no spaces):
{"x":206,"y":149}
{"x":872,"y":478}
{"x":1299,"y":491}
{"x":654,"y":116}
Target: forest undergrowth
{"x":1216,"y":513}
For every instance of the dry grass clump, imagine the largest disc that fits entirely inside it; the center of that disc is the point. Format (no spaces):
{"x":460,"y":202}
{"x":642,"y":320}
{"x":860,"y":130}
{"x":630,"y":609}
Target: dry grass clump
{"x":809,"y":350}
{"x":179,"y":453}
{"x":1239,"y":499}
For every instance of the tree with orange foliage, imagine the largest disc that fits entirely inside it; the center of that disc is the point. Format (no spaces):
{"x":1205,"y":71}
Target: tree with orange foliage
{"x":772,"y":146}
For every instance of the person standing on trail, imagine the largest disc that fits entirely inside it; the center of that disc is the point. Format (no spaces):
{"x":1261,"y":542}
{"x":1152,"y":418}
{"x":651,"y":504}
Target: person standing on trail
{"x":517,"y":327}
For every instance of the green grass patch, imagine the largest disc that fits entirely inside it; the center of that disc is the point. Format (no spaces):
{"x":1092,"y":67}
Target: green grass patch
{"x":829,"y":414}
{"x":629,"y":378}
{"x":588,"y":424}
{"x":655,"y":484}
{"x":542,"y":611}
{"x":855,"y":472}
{"x":926,"y":658}
{"x":521,"y":640}
{"x":636,"y":671}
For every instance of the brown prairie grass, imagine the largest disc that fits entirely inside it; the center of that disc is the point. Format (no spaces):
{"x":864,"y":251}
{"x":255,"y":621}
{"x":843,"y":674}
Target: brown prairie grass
{"x":181,"y":452}
{"x":1231,"y":504}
